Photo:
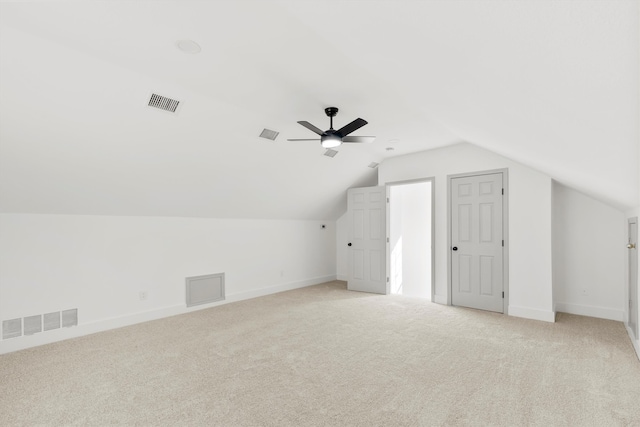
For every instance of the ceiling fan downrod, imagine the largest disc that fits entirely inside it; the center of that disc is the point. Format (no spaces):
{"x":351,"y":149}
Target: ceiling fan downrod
{"x":331,"y":112}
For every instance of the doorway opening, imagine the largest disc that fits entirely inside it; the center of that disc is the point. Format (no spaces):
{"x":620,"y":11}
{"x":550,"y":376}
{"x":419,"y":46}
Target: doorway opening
{"x":411,"y":233}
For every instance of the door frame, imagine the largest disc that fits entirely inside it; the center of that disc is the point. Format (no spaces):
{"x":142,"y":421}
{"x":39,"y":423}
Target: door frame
{"x":388,"y":186}
{"x":505,"y":231}
{"x":630,"y":285}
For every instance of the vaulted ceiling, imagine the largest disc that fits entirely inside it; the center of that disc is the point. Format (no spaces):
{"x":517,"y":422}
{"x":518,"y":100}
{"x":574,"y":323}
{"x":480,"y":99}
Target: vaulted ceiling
{"x":551,"y":84}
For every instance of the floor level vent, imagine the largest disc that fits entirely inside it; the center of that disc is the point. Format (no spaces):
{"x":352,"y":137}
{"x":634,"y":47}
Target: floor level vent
{"x":32,"y":325}
{"x":51,"y":321}
{"x":205,"y":289}
{"x":70,"y":318}
{"x":11,"y":328}
{"x":41,"y":322}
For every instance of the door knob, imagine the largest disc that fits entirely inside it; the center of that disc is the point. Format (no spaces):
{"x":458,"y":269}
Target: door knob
{"x":455,"y":248}
{"x":348,"y":244}
{"x":631,"y":246}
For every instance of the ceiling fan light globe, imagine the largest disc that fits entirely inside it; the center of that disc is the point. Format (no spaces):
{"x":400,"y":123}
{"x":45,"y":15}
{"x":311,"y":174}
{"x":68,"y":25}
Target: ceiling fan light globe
{"x":331,"y":141}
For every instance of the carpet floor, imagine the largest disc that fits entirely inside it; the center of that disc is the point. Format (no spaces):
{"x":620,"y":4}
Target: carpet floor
{"x":324,"y":356}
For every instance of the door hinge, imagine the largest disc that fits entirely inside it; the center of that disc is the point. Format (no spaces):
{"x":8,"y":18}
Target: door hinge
{"x":387,"y":240}
{"x":503,"y":243}
{"x":503,"y":191}
{"x":502,"y":294}
{"x":387,"y":280}
{"x":387,"y":200}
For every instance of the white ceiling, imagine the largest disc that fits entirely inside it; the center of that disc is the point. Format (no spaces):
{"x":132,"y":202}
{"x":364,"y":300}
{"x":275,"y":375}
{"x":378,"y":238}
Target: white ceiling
{"x":551,"y":84}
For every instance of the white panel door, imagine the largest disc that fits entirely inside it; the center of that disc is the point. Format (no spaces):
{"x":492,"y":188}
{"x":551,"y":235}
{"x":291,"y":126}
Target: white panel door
{"x":476,"y":242}
{"x":633,"y":276}
{"x":366,"y":213}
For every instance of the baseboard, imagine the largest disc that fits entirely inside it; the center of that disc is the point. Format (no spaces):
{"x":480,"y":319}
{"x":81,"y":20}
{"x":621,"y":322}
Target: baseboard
{"x":82,"y":329}
{"x":532,"y":313}
{"x":343,"y":278}
{"x":634,"y":342}
{"x":254,"y":293}
{"x":591,"y":311}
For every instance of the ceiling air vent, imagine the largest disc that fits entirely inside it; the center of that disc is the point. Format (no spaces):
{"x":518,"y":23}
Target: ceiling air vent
{"x":373,"y":165}
{"x":269,"y":134}
{"x":163,"y":103}
{"x":330,"y":152}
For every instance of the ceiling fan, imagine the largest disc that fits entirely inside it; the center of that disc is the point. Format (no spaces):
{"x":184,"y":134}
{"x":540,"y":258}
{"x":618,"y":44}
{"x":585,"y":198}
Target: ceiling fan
{"x":332,"y":138}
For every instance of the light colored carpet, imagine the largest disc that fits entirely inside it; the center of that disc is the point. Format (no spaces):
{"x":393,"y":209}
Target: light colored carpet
{"x":323,"y":356}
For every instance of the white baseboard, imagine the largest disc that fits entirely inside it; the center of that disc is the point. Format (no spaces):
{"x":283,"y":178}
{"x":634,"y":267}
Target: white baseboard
{"x":532,"y":313}
{"x":635,"y":342}
{"x":343,"y":278}
{"x":82,"y":329}
{"x":254,"y":293}
{"x":591,"y":311}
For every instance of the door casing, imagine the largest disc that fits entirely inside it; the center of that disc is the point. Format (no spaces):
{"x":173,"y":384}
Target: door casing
{"x":505,"y":232}
{"x":632,"y":302}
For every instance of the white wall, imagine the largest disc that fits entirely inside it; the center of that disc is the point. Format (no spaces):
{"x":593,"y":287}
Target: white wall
{"x":341,"y":247}
{"x":99,"y":265}
{"x":530,"y":273}
{"x":588,"y":255}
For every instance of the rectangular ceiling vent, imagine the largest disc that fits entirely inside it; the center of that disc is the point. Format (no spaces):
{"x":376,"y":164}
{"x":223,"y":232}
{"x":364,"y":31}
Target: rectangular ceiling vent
{"x":269,"y":134}
{"x":330,"y":152}
{"x":163,"y":103}
{"x":373,"y":165}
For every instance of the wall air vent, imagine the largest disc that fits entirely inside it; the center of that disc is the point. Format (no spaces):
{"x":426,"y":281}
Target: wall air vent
{"x":205,"y":289}
{"x":51,"y":321}
{"x":11,"y":328}
{"x":269,"y":134}
{"x":330,"y":152}
{"x":32,"y":325}
{"x":70,"y":318}
{"x":163,"y":103}
{"x":42,"y":322}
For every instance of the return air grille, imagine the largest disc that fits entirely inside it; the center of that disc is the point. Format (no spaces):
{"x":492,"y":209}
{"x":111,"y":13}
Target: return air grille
{"x":42,"y":322}
{"x":205,"y":289}
{"x":11,"y":328}
{"x":163,"y":103}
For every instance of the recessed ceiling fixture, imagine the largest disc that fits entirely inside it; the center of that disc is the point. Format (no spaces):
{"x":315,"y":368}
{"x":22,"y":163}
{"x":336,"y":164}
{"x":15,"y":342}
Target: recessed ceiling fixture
{"x":332,"y":138}
{"x":163,"y":103}
{"x":188,"y":46}
{"x":373,"y":165}
{"x":330,"y":152}
{"x":269,"y":134}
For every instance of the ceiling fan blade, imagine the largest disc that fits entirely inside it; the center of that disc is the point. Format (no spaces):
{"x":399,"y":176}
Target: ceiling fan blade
{"x":367,"y":139}
{"x":317,"y":139}
{"x":311,"y":127}
{"x":354,"y":125}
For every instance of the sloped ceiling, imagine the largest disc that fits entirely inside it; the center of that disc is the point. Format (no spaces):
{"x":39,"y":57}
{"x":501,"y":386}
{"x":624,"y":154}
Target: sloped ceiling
{"x":551,"y":84}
